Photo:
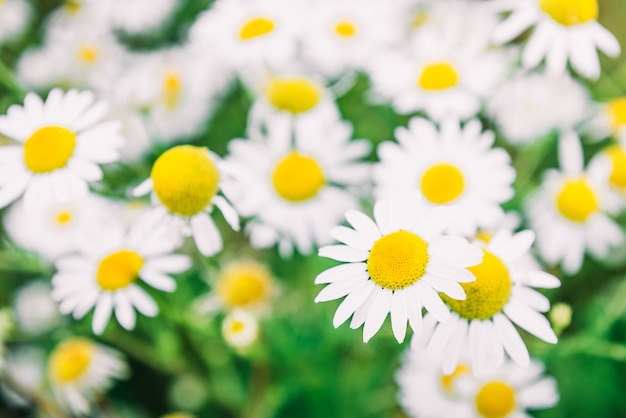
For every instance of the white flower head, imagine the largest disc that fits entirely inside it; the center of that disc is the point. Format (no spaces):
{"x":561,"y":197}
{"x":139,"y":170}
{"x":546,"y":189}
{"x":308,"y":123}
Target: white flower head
{"x":396,"y":265}
{"x":35,"y":311}
{"x":240,"y":329}
{"x":59,"y":146}
{"x":609,"y":119}
{"x":140,"y":16}
{"x":14,"y":17}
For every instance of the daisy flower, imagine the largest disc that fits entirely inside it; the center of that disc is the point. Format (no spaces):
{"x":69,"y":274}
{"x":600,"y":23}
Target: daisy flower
{"x":564,"y":30}
{"x":240,"y":329}
{"x":25,"y":366}
{"x":569,"y":211}
{"x":140,"y":16}
{"x":609,"y":119}
{"x":530,"y":106}
{"x":612,"y":161}
{"x":451,"y":166}
{"x":482,"y":323}
{"x":80,"y":370}
{"x":292,"y":184}
{"x":106,"y":272}
{"x":35,"y":311}
{"x":14,"y":17}
{"x":185,"y":182}
{"x":395,"y":265}
{"x":58,"y":147}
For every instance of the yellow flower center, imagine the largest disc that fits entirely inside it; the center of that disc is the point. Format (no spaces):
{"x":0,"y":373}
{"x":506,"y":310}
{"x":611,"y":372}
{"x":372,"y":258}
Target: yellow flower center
{"x":397,"y":260}
{"x":88,"y":54}
{"x":63,"y":217}
{"x":172,"y":89}
{"x":72,"y":6}
{"x":297,"y":177}
{"x":577,"y":201}
{"x":119,"y":269}
{"x":448,"y":381}
{"x":486,"y":296}
{"x":442,"y":183}
{"x":438,"y":76}
{"x":244,"y":285}
{"x":294,"y":95}
{"x":495,"y":399}
{"x":236,"y":327}
{"x":618,"y":160}
{"x":69,"y":361}
{"x":256,"y":27}
{"x":345,"y":29}
{"x":185,"y":179}
{"x":48,"y":149}
{"x":570,"y":12}
{"x":419,"y":18}
{"x":617,"y":113}
{"x":484,"y":236}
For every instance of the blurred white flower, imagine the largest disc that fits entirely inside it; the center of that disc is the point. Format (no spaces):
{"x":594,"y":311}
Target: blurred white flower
{"x":35,"y":311}
{"x":14,"y":17}
{"x":25,"y":366}
{"x":609,"y":119}
{"x":240,"y":329}
{"x":138,"y":16}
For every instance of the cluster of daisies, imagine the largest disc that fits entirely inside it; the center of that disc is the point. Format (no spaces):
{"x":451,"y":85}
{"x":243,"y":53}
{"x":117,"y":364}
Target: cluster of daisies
{"x":416,"y":223}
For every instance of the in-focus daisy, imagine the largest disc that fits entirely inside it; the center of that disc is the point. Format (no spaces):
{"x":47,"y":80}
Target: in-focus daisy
{"x":395,"y":265}
{"x":185,"y":182}
{"x":80,"y":370}
{"x":106,"y":272}
{"x":609,"y":119}
{"x":451,"y":166}
{"x":482,"y":323}
{"x":35,"y":311}
{"x":292,"y":182}
{"x":564,"y":30}
{"x":58,"y":147}
{"x":138,"y":16}
{"x":240,"y":329}
{"x":529,"y":106}
{"x":570,"y":211}
{"x":14,"y":16}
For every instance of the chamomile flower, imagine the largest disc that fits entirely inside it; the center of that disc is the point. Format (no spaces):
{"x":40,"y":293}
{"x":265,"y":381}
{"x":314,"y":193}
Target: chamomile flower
{"x":185,"y":181}
{"x":570,"y":211}
{"x":139,"y":16}
{"x":25,"y":367}
{"x":58,"y":147}
{"x":240,"y":329}
{"x":529,"y":106}
{"x":609,"y":119}
{"x":14,"y":16}
{"x":395,"y":265}
{"x":35,"y":311}
{"x":451,"y":166}
{"x":612,"y":161}
{"x":80,"y":370}
{"x":564,"y":30}
{"x":292,"y":182}
{"x":106,"y":272}
{"x":482,"y":323}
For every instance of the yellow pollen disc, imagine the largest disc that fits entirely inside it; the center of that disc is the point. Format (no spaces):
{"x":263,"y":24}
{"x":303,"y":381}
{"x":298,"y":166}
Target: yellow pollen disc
{"x":185,"y":179}
{"x":256,"y":27}
{"x":297,"y":177}
{"x":577,"y":201}
{"x":72,"y":6}
{"x":448,"y":381}
{"x":570,"y":12}
{"x":48,"y":149}
{"x":244,"y":285}
{"x":618,"y":160}
{"x":172,"y":88}
{"x":438,"y":76}
{"x":484,"y":236}
{"x":617,"y":113}
{"x":63,"y":217}
{"x":397,"y":260}
{"x":495,"y":400}
{"x":294,"y":95}
{"x":345,"y":29}
{"x":119,"y":269}
{"x":486,"y":296}
{"x":419,"y":18}
{"x":236,"y":327}
{"x":88,"y":54}
{"x":69,"y":361}
{"x":442,"y":183}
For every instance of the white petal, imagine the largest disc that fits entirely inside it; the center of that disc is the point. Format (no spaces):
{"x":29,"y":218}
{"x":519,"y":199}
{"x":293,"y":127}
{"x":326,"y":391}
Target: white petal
{"x":530,"y":320}
{"x":206,"y":235}
{"x":454,"y":273}
{"x":158,"y":280}
{"x":377,"y":314}
{"x":511,"y":340}
{"x":230,"y":214}
{"x":343,"y":253}
{"x":102,"y":313}
{"x":341,"y":272}
{"x":449,"y":287}
{"x":570,"y":153}
{"x":175,"y":263}
{"x":532,"y":298}
{"x":363,"y":224}
{"x":141,"y":301}
{"x":340,"y":288}
{"x":351,"y":238}
{"x":432,"y":302}
{"x":144,"y":188}
{"x":351,"y":303}
{"x":399,"y":315}
{"x":541,"y":279}
{"x":124,"y":312}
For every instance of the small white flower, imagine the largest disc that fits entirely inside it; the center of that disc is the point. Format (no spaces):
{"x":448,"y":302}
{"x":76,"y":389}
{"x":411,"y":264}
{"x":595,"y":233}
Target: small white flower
{"x":138,"y":16}
{"x":35,"y":311}
{"x":240,"y":329}
{"x":609,"y":119}
{"x":14,"y":17}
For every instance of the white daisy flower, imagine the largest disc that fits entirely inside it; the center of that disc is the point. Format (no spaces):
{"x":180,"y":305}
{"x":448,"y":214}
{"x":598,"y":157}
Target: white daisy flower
{"x":60,"y":144}
{"x":240,"y":329}
{"x":250,"y":33}
{"x":609,"y":119}
{"x":612,"y":161}
{"x":35,"y":311}
{"x":80,"y":370}
{"x":395,"y":265}
{"x":185,"y":182}
{"x":482,"y":324}
{"x":437,"y":76}
{"x":452,"y":166}
{"x":530,"y":106}
{"x":25,"y":367}
{"x":569,"y":211}
{"x":292,"y":184}
{"x":14,"y":17}
{"x":139,"y":16}
{"x":54,"y":229}
{"x":564,"y":30}
{"x":106,"y":271}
